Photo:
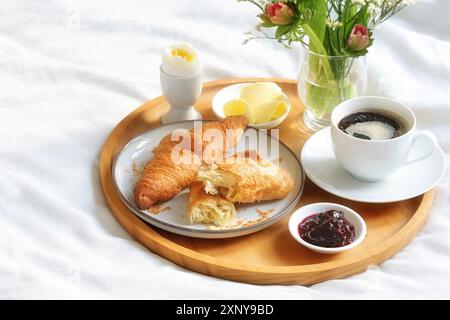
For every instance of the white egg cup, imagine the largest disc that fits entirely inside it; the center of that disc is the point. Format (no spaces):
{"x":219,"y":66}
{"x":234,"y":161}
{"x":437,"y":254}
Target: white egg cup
{"x":181,"y":93}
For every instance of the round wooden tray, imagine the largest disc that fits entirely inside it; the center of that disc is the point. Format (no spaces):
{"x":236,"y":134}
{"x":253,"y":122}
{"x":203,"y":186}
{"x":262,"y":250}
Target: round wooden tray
{"x":270,"y":256}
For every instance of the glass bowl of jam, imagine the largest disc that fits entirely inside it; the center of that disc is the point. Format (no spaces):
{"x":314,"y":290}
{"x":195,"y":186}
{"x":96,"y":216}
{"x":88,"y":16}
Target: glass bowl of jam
{"x":327,"y":227}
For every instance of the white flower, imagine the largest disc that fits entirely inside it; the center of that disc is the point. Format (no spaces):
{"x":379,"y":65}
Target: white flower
{"x":373,"y":8}
{"x":377,"y":3}
{"x":388,"y":3}
{"x":399,"y":3}
{"x":408,"y":2}
{"x":333,"y":24}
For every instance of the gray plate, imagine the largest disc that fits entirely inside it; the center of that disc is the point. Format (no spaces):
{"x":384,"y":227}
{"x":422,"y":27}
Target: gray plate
{"x":174,"y":218}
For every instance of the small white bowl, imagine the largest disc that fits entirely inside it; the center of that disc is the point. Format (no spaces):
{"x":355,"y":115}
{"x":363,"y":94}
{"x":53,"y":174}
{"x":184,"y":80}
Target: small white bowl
{"x":233,"y":92}
{"x":300,"y":214}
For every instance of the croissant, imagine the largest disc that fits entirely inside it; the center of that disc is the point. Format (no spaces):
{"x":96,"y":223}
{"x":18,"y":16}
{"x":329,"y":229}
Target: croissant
{"x":246,"y":179}
{"x":208,"y":208}
{"x":163,"y":178}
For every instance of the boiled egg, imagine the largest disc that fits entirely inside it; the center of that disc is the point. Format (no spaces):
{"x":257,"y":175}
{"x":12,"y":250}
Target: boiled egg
{"x":181,"y":60}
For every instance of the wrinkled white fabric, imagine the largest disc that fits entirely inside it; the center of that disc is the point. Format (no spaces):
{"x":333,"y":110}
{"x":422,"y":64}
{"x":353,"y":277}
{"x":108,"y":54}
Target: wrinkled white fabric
{"x":71,"y":70}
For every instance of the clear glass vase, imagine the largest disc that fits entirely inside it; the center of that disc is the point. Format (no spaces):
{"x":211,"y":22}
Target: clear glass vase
{"x":325,"y":81}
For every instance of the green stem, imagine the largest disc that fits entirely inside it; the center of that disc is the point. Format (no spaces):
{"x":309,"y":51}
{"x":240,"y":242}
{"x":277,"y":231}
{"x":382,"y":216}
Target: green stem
{"x":319,"y":49}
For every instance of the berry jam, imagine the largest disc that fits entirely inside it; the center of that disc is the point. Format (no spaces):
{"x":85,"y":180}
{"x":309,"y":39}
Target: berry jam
{"x":327,"y":229}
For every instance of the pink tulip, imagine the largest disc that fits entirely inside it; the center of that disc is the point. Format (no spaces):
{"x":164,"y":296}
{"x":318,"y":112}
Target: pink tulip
{"x":359,"y":38}
{"x":279,"y":13}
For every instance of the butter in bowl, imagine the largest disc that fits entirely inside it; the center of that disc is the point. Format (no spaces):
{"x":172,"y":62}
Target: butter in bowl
{"x":263,"y":103}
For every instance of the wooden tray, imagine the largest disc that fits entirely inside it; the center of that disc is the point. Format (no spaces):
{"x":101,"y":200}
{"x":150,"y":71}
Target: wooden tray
{"x":270,"y":256}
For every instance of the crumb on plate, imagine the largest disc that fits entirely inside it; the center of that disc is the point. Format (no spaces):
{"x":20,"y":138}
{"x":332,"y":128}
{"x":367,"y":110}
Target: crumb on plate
{"x":157,"y":209}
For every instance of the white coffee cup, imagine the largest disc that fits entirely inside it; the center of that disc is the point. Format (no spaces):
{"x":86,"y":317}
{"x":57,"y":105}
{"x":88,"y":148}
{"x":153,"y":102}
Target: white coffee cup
{"x":373,"y":160}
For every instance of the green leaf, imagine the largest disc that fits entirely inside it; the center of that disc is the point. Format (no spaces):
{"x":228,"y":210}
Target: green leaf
{"x":267,"y":25}
{"x":357,"y":53}
{"x":333,"y":42}
{"x":318,"y":16}
{"x":318,"y":47}
{"x":264,"y":18}
{"x":281,"y":30}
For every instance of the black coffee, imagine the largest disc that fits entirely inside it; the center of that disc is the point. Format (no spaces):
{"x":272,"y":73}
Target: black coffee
{"x":371,"y":126}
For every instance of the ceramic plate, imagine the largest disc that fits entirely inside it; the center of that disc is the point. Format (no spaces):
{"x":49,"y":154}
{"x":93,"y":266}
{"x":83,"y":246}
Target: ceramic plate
{"x":321,"y":167}
{"x":173,"y":214}
{"x":234,"y":92}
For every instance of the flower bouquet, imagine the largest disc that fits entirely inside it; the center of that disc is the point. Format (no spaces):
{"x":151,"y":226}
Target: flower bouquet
{"x":335,"y":36}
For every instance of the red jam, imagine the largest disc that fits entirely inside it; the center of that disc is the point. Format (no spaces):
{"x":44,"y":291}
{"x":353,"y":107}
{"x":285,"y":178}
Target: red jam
{"x":327,"y":229}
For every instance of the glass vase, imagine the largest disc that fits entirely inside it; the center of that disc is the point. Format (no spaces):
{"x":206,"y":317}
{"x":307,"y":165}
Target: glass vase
{"x":325,"y":81}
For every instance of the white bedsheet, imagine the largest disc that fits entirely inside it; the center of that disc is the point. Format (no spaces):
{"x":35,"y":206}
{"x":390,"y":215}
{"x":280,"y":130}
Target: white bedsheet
{"x":71,"y":70}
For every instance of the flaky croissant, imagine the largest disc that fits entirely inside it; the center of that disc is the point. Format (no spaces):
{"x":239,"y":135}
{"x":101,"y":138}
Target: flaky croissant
{"x":246,"y":179}
{"x":207,"y":208}
{"x":163,"y":178}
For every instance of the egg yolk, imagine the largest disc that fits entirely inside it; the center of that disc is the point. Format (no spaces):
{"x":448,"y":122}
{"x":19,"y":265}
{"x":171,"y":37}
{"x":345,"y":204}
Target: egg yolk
{"x":183,"y":54}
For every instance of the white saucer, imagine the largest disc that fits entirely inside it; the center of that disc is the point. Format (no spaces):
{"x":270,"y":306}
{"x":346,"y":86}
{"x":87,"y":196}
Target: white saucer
{"x":322,"y":168}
